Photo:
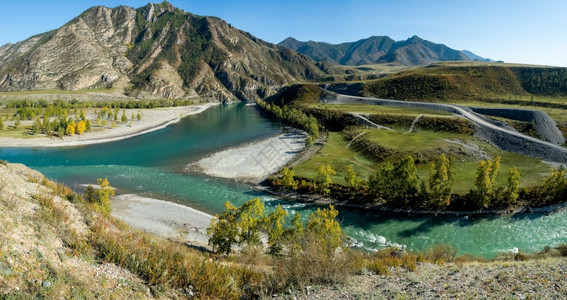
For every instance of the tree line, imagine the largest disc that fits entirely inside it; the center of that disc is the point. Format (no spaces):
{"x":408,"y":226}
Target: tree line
{"x":398,"y":185}
{"x":295,"y":117}
{"x":131,"y":104}
{"x":249,"y":224}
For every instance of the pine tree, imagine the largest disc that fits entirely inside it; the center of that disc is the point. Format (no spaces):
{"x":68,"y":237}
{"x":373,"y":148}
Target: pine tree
{"x":1,"y":124}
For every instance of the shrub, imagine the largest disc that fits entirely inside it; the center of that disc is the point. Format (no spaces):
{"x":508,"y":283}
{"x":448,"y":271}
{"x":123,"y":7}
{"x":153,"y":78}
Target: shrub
{"x":562,"y":249}
{"x":441,"y":253}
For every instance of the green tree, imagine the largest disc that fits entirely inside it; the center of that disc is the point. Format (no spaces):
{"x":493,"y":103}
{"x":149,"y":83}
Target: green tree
{"x":17,"y":124}
{"x":485,"y":180}
{"x":352,"y":178}
{"x":274,"y":227}
{"x":223,"y":230}
{"x":555,"y":184}
{"x":323,"y":179}
{"x":124,"y":119}
{"x":513,"y":186}
{"x":441,"y":181}
{"x":288,"y":180}
{"x":323,"y":225}
{"x":88,"y":125}
{"x":309,"y":141}
{"x":1,"y":124}
{"x":139,"y":116}
{"x":36,"y":127}
{"x":101,"y":196}
{"x":396,"y":183}
{"x":251,"y":215}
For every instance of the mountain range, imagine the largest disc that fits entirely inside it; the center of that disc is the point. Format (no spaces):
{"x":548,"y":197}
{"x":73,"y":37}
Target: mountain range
{"x":155,"y":51}
{"x":380,"y":50}
{"x":159,"y":51}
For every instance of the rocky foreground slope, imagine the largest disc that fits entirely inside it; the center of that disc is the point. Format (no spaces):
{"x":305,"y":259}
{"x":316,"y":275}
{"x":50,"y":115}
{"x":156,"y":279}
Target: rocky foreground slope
{"x":36,"y":257}
{"x":544,"y":279}
{"x":153,"y":51}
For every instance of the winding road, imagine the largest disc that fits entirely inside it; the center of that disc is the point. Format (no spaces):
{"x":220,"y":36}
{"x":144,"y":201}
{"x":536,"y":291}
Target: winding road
{"x":504,"y":138}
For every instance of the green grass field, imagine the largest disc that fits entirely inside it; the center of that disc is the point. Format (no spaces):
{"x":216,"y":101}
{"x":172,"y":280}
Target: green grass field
{"x":379,"y":109}
{"x":421,"y":144}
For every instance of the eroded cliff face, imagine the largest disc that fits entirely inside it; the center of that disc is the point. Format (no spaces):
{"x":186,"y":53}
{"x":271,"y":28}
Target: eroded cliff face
{"x":157,"y":51}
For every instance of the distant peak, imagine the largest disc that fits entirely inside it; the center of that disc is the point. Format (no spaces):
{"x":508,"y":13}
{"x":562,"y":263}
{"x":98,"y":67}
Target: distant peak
{"x":415,"y":38}
{"x":290,"y":39}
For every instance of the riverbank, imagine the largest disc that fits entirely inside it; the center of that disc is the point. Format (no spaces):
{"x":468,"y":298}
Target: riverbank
{"x":322,"y":200}
{"x":253,"y":162}
{"x":167,"y":219}
{"x":152,"y":119}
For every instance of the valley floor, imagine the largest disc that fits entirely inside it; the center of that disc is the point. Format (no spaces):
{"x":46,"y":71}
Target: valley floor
{"x":153,"y":119}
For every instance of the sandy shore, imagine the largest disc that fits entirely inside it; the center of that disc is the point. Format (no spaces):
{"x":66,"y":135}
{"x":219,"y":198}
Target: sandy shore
{"x":253,"y":162}
{"x":163,"y":218}
{"x":153,"y":119}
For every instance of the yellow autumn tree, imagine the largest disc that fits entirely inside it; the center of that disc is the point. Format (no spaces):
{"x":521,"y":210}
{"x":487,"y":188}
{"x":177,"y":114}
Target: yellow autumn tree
{"x":70,"y":130}
{"x":81,"y":126}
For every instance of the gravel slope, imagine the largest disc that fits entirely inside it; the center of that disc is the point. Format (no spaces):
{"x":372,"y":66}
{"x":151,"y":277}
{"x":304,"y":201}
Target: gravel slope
{"x":536,"y":279}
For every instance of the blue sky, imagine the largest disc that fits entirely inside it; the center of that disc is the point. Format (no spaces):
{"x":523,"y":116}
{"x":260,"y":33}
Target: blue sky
{"x":520,"y":31}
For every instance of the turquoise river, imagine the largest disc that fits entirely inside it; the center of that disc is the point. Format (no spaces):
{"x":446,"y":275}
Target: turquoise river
{"x":151,"y":165}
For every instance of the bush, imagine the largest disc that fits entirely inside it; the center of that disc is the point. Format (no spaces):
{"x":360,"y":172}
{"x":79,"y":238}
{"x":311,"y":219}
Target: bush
{"x":441,"y":253}
{"x":562,"y":249}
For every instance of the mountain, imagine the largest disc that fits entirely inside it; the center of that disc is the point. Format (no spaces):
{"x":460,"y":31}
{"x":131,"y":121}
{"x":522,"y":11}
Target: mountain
{"x":377,"y":49}
{"x":154,"y":51}
{"x":475,"y":57}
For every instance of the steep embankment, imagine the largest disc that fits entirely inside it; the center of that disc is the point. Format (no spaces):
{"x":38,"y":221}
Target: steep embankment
{"x":159,"y":49}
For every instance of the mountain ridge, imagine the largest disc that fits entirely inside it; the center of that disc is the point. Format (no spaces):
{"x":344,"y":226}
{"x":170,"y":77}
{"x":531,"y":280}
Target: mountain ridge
{"x":378,"y":50}
{"x":156,"y":51}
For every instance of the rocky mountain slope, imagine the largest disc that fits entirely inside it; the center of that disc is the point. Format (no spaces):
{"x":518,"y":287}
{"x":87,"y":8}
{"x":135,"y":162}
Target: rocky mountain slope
{"x":154,"y":51}
{"x":377,"y":49}
{"x":41,"y":237}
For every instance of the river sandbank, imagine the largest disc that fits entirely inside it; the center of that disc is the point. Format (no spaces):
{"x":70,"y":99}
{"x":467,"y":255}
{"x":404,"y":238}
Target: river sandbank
{"x":253,"y":162}
{"x":163,"y":218}
{"x":153,"y":119}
